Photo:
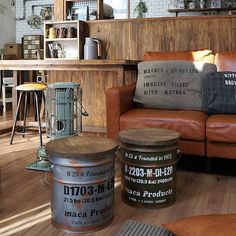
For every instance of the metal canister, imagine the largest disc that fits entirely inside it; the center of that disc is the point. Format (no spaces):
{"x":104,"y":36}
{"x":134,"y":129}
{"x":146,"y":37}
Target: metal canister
{"x":82,"y":182}
{"x":148,"y":166}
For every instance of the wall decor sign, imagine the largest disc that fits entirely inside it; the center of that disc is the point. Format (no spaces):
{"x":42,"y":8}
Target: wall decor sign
{"x":176,"y":4}
{"x":46,"y":13}
{"x":36,"y":20}
{"x":216,"y":4}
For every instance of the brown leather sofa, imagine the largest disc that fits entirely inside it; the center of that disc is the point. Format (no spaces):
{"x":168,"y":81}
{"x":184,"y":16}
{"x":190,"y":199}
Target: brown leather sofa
{"x":202,"y":135}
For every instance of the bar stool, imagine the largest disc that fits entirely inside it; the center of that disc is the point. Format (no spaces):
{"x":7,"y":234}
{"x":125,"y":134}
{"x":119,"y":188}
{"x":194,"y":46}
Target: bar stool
{"x":24,"y":89}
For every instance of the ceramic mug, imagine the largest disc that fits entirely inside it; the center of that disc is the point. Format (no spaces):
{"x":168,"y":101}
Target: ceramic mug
{"x":51,"y":33}
{"x":71,"y":32}
{"x":61,"y":32}
{"x":54,"y":53}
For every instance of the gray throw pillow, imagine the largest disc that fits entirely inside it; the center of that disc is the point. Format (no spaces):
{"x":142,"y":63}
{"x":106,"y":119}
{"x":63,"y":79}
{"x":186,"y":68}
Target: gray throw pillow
{"x":171,"y":84}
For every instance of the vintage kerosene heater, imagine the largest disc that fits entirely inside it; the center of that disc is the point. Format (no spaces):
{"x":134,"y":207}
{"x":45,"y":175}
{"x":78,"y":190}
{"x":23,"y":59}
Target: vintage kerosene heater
{"x":63,"y":117}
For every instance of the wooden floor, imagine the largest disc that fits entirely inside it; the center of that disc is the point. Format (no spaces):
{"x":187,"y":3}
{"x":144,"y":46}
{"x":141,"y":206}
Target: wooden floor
{"x":25,"y":195}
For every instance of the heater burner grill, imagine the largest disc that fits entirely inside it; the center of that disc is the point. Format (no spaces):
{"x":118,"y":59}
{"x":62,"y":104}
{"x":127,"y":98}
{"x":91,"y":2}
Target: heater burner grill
{"x":60,"y":126}
{"x":63,"y":110}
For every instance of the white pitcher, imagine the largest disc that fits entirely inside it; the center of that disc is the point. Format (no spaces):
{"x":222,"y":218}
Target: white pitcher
{"x":92,"y":48}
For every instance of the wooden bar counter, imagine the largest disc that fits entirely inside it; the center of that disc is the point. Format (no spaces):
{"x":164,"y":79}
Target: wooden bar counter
{"x":95,"y":76}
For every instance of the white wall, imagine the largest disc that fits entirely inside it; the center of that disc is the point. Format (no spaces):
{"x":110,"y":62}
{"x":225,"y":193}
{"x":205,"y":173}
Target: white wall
{"x":120,"y":8}
{"x":23,"y":12}
{"x":8,"y":23}
{"x":158,"y":8}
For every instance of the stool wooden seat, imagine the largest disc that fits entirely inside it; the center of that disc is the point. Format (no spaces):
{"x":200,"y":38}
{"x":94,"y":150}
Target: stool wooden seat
{"x":24,"y":89}
{"x":31,"y":87}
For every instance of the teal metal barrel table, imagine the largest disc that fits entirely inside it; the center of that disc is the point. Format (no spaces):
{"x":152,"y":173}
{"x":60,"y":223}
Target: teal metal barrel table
{"x":148,"y":166}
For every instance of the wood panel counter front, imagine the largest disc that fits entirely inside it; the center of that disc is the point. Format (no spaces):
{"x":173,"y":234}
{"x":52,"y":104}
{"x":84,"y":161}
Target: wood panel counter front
{"x":131,"y":38}
{"x":95,"y":76}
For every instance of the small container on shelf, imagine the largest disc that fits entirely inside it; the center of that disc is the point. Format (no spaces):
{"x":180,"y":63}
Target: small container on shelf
{"x":31,"y":45}
{"x":69,"y":15}
{"x":202,"y":4}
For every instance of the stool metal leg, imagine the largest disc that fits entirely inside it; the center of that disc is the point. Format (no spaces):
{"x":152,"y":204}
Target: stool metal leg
{"x":42,"y":108}
{"x":16,"y":118}
{"x":25,"y":112}
{"x":38,"y":118}
{"x":4,"y":98}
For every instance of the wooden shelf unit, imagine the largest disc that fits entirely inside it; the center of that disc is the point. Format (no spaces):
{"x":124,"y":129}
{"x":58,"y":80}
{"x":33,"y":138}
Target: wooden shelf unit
{"x":68,"y":4}
{"x":73,"y":47}
{"x":177,"y":11}
{"x":61,"y":39}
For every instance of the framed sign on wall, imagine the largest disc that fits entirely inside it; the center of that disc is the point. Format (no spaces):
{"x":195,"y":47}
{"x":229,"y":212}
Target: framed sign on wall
{"x":216,"y":4}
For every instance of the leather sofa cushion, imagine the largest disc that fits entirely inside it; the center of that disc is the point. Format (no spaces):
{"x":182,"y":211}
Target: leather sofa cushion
{"x":191,"y":147}
{"x":225,"y":61}
{"x":190,"y":124}
{"x":204,"y":225}
{"x":220,"y":149}
{"x":221,"y":128}
{"x":201,"y":55}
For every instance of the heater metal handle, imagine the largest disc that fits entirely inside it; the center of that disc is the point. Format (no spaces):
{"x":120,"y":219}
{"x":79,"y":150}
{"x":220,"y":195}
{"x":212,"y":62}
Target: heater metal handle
{"x":83,"y":110}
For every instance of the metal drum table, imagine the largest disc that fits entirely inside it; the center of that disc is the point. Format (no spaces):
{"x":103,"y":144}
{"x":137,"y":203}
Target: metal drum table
{"x":148,"y":166}
{"x":82,"y":176}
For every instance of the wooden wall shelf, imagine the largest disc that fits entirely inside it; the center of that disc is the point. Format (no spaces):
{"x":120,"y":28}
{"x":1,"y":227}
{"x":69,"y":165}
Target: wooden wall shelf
{"x":177,"y":11}
{"x":61,"y":39}
{"x":61,"y":8}
{"x":69,"y":3}
{"x":71,"y":47}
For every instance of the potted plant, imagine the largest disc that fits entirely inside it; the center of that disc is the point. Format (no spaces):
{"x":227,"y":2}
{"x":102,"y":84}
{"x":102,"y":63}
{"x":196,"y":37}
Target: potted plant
{"x":140,"y":9}
{"x":186,"y":2}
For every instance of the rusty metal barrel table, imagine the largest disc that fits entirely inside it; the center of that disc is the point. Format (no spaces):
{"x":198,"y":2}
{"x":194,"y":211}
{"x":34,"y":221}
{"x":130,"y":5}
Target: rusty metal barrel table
{"x":82,"y":182}
{"x":148,"y":166}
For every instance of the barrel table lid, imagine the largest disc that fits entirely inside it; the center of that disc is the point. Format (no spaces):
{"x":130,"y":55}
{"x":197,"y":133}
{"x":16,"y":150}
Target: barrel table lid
{"x":80,"y":148}
{"x":61,"y":85}
{"x":149,"y":136}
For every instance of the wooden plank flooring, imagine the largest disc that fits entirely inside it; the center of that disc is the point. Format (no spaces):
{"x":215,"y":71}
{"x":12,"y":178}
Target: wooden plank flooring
{"x":6,"y":122}
{"x":25,"y":196}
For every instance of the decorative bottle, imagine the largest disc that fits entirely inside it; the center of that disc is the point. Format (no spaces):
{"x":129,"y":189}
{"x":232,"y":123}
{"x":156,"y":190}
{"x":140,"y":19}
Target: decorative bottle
{"x":69,"y":16}
{"x":202,"y":4}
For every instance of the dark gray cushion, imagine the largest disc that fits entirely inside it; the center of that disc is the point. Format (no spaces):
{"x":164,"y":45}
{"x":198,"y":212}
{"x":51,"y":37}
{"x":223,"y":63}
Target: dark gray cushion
{"x":171,"y":84}
{"x":219,"y":93}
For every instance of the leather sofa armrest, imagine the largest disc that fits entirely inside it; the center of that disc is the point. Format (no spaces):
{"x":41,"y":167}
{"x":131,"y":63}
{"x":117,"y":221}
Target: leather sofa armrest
{"x":118,"y":101}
